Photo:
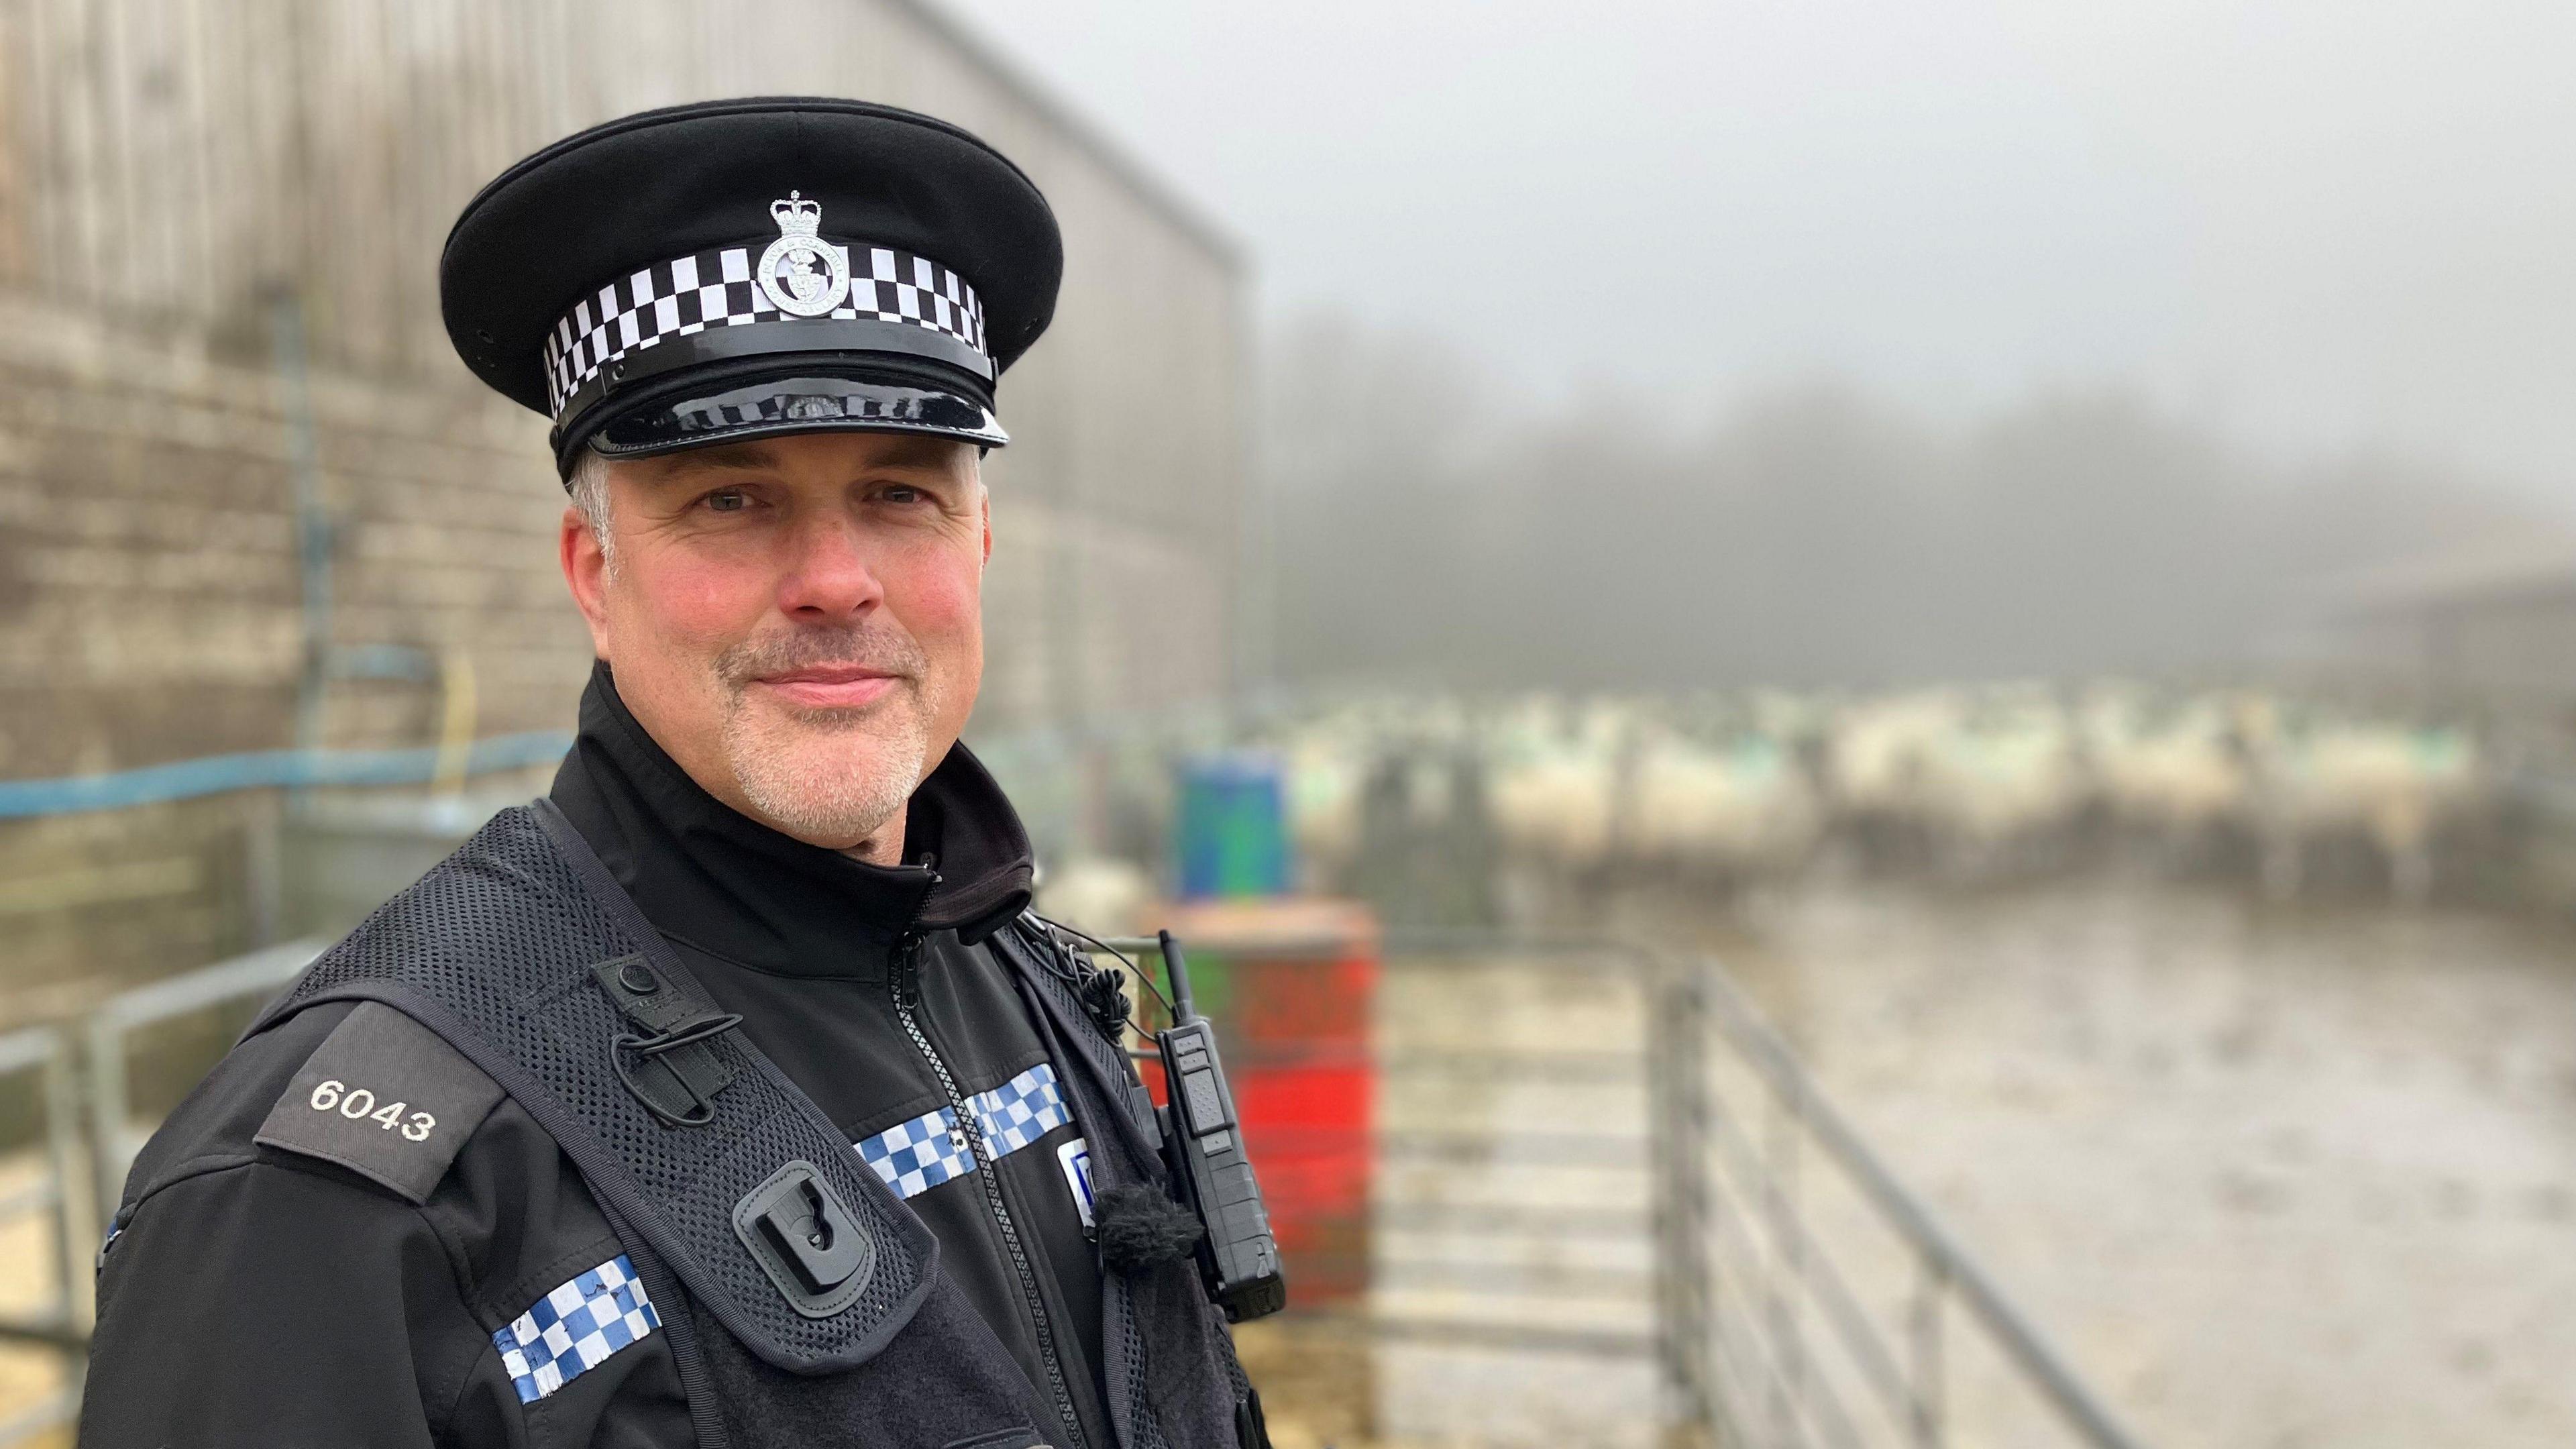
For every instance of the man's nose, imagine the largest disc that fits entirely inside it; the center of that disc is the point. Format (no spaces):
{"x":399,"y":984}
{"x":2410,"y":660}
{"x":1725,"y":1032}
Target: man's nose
{"x":829,"y":574}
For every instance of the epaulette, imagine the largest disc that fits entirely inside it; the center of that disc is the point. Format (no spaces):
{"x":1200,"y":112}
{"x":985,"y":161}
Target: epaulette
{"x":383,"y":1097}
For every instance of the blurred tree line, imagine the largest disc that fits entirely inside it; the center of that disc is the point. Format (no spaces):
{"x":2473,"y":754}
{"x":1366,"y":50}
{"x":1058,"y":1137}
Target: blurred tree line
{"x":1426,"y":532}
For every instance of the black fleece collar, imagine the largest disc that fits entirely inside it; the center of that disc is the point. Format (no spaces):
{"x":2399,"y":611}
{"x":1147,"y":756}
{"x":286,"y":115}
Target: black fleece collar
{"x":720,"y":881}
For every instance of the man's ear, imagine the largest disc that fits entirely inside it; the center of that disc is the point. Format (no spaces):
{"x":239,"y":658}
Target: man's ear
{"x":984,"y":506}
{"x":585,"y":571}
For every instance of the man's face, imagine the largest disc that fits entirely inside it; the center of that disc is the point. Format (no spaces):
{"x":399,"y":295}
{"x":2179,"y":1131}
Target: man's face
{"x":797,"y":621}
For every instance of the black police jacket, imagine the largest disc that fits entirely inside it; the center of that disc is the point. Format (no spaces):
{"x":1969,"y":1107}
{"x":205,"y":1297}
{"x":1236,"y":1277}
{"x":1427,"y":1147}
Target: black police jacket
{"x":356,"y":1233}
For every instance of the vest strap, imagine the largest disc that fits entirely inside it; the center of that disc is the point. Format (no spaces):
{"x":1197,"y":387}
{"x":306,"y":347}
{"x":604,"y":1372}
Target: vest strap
{"x":523,"y":953}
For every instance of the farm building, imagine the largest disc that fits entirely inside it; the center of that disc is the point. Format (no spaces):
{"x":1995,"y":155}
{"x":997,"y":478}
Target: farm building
{"x":250,"y":501}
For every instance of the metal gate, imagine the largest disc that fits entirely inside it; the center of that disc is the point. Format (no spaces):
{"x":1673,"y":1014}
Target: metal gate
{"x":36,"y":1064}
{"x":79,"y":1078}
{"x":1613,"y":1207}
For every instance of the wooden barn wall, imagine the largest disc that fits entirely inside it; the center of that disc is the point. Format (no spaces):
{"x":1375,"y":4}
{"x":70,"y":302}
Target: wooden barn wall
{"x":168,"y":167}
{"x":174,"y":162}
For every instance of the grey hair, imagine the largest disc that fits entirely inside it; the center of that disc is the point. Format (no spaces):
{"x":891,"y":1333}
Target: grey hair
{"x":589,"y":489}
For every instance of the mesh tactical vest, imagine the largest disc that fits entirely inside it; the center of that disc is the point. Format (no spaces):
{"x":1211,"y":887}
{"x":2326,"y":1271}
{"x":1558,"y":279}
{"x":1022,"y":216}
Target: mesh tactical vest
{"x":511,"y":950}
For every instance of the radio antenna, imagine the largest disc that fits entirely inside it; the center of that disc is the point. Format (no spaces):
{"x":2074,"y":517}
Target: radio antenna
{"x":1177,"y":972}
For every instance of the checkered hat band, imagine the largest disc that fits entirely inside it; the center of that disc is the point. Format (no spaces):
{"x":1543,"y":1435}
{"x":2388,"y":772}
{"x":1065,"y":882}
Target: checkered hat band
{"x":717,"y":289}
{"x":574,"y":1329}
{"x":916,"y":1156}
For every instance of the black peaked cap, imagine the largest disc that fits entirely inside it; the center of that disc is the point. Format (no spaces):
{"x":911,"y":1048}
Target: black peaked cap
{"x":593,"y":209}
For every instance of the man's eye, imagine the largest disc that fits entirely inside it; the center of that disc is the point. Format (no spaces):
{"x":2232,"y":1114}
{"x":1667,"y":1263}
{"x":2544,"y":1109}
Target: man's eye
{"x":727,"y":500}
{"x":902,"y":494}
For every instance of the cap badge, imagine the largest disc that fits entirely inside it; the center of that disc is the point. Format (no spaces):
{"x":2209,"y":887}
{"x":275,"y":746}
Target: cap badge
{"x":805,"y":275}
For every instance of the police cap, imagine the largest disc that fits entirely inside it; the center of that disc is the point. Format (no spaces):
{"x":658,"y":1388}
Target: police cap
{"x":736,"y":268}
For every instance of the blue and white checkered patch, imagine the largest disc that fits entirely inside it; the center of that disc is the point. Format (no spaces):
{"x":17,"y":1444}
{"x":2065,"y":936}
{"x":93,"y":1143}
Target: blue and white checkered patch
{"x":1021,"y":1110}
{"x":916,"y":1156}
{"x":572,"y":1329}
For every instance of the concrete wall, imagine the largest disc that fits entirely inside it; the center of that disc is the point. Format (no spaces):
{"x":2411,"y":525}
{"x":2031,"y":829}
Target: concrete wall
{"x":168,"y":168}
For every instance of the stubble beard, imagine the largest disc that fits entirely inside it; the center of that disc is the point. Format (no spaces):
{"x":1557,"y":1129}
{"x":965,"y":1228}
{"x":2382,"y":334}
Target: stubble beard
{"x":827,"y":775}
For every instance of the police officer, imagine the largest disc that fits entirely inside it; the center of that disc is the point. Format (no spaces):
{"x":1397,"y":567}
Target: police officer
{"x":726,"y":1096}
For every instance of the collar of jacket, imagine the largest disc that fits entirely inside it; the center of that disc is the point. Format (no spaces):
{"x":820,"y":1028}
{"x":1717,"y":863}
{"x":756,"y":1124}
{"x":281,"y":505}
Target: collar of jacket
{"x":720,"y":881}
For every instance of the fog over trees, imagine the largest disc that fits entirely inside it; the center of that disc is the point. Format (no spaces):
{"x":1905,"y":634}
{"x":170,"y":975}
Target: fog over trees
{"x":1424,"y":532}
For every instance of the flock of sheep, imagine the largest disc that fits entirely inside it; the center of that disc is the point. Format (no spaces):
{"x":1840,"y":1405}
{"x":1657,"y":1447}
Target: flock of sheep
{"x":1963,"y":784}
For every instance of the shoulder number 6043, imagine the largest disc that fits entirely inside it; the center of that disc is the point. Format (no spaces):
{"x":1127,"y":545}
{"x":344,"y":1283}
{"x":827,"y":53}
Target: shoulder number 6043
{"x":359,"y":1103}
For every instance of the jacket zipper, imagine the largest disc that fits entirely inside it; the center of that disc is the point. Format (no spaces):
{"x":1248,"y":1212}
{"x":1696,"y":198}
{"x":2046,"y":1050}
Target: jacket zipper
{"x":906,"y":981}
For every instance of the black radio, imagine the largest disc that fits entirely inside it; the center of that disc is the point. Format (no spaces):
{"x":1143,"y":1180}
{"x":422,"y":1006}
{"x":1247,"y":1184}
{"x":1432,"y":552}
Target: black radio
{"x":1203,"y":1140}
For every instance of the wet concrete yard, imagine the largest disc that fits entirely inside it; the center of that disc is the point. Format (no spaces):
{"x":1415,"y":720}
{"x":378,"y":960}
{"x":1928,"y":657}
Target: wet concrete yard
{"x":2268,"y":1176}
{"x":2273,"y":1176}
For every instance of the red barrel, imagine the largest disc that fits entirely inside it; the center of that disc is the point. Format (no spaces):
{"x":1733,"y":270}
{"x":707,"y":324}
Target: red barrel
{"x":1291,"y":984}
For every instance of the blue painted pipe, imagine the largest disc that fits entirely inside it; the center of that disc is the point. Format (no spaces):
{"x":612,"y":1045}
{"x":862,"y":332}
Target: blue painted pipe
{"x":268,"y":770}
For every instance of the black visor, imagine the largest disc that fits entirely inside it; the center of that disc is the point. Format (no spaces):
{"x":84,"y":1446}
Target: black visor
{"x":796,"y":405}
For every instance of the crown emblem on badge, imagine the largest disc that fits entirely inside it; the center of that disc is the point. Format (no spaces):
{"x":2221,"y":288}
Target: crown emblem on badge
{"x":802,"y":274}
{"x":796,"y":216}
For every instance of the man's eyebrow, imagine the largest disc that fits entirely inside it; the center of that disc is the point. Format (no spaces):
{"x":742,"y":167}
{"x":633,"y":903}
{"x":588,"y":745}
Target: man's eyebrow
{"x":726,"y":457}
{"x":915,"y":453}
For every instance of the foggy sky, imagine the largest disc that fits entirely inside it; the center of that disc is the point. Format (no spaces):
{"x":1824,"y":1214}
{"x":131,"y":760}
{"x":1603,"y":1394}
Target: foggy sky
{"x":2319,"y":226}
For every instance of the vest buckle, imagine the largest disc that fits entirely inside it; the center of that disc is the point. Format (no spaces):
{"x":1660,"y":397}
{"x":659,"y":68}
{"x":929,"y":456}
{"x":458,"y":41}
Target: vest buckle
{"x":806,"y":1240}
{"x":675,"y":1071}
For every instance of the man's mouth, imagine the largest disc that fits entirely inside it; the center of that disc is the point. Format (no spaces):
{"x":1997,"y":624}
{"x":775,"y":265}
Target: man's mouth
{"x":830,"y":686}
